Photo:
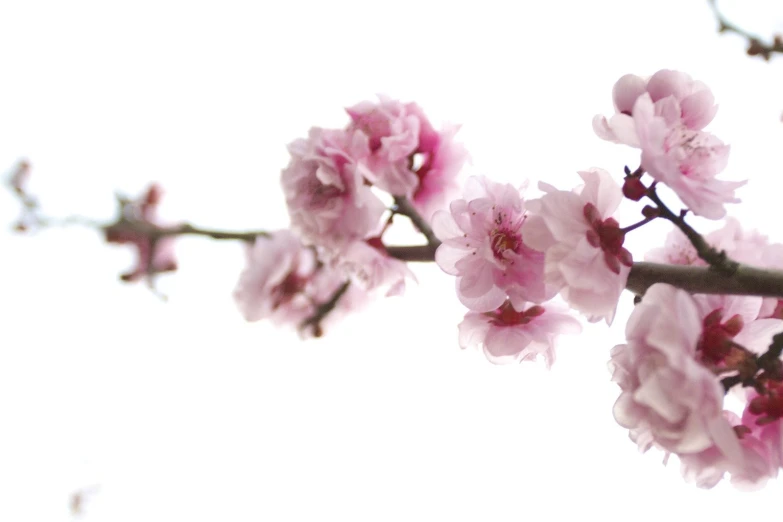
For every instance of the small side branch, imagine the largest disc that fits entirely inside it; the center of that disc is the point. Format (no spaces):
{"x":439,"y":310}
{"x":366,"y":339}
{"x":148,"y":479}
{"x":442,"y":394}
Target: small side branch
{"x":155,"y":232}
{"x":716,"y":259}
{"x":404,"y":207}
{"x":187,"y":229}
{"x":324,"y":309}
{"x":755,"y":46}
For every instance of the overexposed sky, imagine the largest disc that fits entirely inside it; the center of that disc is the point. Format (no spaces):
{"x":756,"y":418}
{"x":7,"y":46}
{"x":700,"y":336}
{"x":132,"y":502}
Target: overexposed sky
{"x":180,"y":410}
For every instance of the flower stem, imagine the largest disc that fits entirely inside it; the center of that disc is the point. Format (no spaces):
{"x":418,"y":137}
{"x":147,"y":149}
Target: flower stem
{"x":716,"y":259}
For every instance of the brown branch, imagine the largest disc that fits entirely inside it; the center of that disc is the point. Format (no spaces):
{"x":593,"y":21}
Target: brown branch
{"x":323,"y":310}
{"x":759,"y":369}
{"x":418,"y":253}
{"x":715,"y":258}
{"x":755,"y":46}
{"x":404,"y":207}
{"x":746,"y":280}
{"x":156,"y":232}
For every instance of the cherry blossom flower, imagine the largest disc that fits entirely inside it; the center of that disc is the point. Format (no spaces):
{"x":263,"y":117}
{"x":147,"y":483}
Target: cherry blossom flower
{"x":666,"y":392}
{"x":730,"y":320}
{"x":278,"y":271}
{"x":484,"y":247}
{"x":676,"y":250}
{"x":508,"y":335}
{"x":686,"y":160}
{"x":695,"y":101}
{"x":153,"y":255}
{"x":324,"y":184}
{"x":393,"y":137}
{"x":763,"y":416}
{"x":708,"y":467}
{"x":442,"y":162}
{"x":584,"y":256}
{"x":371,"y":267}
{"x":284,"y":281}
{"x":408,"y":157}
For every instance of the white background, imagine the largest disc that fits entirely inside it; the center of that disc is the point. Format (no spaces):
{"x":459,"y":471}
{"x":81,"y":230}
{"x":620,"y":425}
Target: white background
{"x":180,"y":410}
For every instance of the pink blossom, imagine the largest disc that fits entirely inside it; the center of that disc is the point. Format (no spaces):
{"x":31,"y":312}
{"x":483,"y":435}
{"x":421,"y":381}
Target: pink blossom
{"x":509,"y":335}
{"x":278,"y":271}
{"x":666,"y":392}
{"x":694,"y":99}
{"x":686,"y":160}
{"x":153,"y":256}
{"x":393,"y":134}
{"x":584,"y":256}
{"x":697,"y":104}
{"x":324,"y":185}
{"x":284,"y":281}
{"x":708,"y":467}
{"x":408,"y":157}
{"x":763,"y":416}
{"x":483,"y":246}
{"x":728,"y":319}
{"x":443,"y":160}
{"x":368,"y":264}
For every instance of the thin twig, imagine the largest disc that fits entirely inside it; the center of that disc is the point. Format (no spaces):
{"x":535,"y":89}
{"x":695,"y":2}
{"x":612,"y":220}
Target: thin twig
{"x":770,"y":360}
{"x":716,"y":259}
{"x":755,"y":46}
{"x":730,"y":382}
{"x":154,"y":231}
{"x":323,"y":310}
{"x":404,"y":207}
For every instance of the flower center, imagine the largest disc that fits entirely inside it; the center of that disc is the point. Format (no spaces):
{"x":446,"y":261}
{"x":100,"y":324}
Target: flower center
{"x":292,"y":285}
{"x":693,"y":148}
{"x":769,"y":405}
{"x":507,"y":316}
{"x":321,"y":194}
{"x":715,"y":343}
{"x":607,"y":235}
{"x":503,"y":240}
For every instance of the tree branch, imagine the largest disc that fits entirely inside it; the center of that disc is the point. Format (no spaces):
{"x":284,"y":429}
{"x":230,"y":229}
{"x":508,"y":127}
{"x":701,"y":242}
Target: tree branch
{"x":323,"y":310}
{"x":755,"y":46}
{"x":717,"y":259}
{"x":156,"y":232}
{"x":404,"y":207}
{"x":418,"y":253}
{"x":746,"y":280}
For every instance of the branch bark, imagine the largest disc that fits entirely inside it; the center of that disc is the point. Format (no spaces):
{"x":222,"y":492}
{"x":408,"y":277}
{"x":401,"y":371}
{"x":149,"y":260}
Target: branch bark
{"x":746,"y":280}
{"x":185,"y":229}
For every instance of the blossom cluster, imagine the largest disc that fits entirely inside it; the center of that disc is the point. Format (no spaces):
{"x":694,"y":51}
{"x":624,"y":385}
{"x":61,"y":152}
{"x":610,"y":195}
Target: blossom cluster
{"x":154,"y":254}
{"x":334,"y":186}
{"x":684,"y":352}
{"x":679,"y":349}
{"x":525,"y":266}
{"x":665,"y":116}
{"x":511,"y":255}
